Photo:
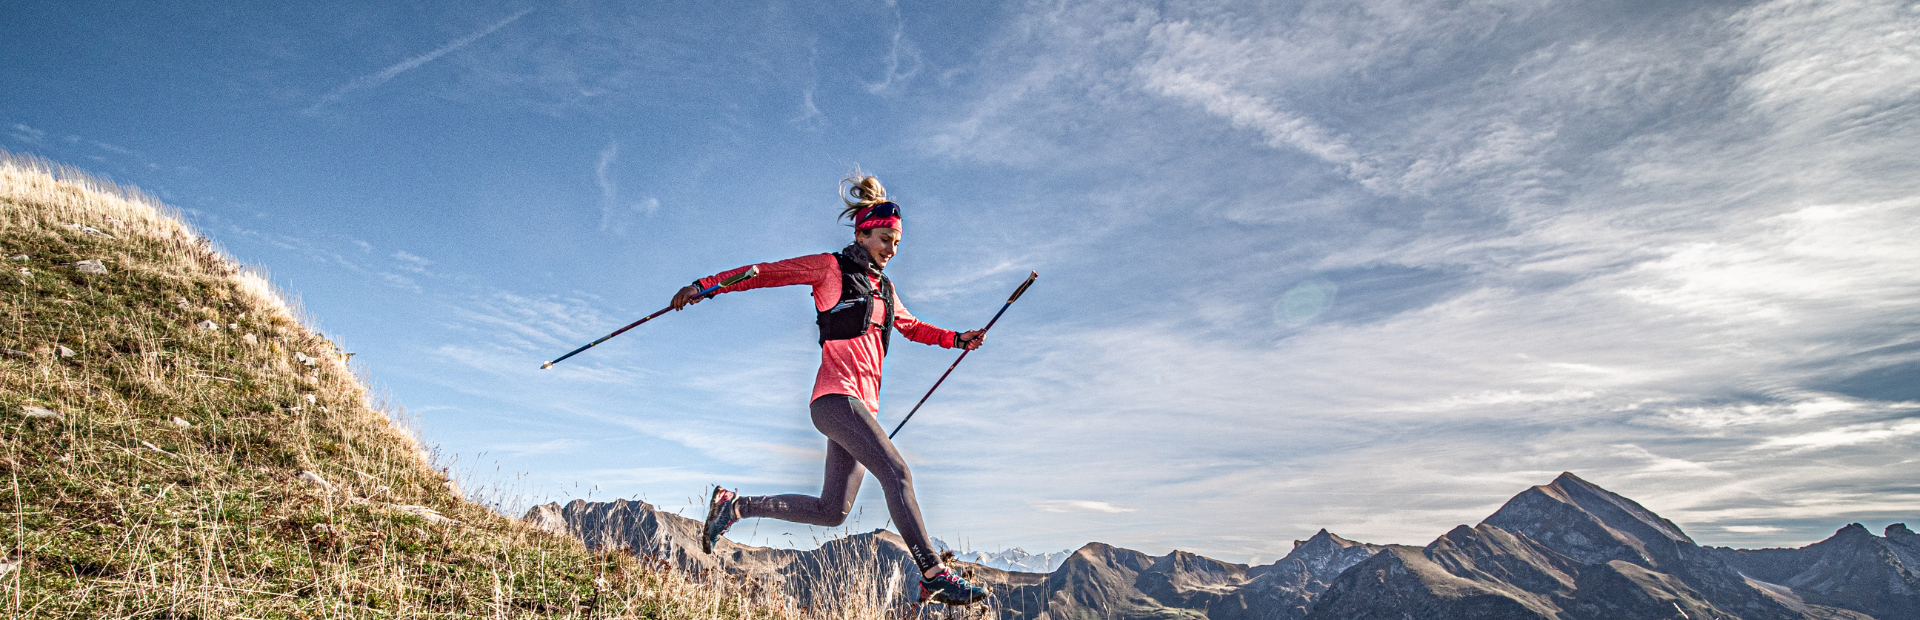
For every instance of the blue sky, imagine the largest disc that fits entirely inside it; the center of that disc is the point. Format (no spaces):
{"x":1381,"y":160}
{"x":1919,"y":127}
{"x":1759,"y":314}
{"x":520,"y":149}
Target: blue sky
{"x":1370,"y":266}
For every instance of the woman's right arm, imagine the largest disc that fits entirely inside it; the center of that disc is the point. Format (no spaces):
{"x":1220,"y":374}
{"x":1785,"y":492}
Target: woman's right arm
{"x":812,"y":269}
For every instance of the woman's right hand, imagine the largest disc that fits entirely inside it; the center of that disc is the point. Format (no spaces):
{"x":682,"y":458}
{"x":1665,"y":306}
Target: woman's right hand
{"x":685,"y":297}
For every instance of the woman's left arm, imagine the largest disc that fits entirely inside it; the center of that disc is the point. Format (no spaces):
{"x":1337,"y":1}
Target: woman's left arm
{"x":916,"y":330}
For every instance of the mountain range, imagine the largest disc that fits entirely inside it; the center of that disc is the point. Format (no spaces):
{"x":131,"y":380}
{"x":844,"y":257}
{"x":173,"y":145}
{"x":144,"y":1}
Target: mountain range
{"x":1566,"y":550}
{"x":1015,"y":559}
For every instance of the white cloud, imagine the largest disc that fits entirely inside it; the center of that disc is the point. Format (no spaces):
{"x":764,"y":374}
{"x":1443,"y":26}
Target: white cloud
{"x":1753,"y":529}
{"x":1878,"y":432}
{"x":1080,"y":505}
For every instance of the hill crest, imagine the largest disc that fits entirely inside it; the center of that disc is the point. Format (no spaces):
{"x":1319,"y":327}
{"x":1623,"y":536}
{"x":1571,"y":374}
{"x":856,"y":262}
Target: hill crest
{"x":179,"y":445}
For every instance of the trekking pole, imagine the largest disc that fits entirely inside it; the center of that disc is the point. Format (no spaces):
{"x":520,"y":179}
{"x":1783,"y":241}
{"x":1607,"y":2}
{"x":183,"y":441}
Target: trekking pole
{"x":736,"y":279}
{"x":963,"y":354}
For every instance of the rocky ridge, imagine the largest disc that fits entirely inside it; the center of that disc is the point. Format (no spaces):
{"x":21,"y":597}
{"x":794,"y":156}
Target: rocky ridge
{"x":1567,"y":550}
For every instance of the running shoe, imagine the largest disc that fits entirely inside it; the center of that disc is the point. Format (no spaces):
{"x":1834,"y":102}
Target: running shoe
{"x":947,"y":587}
{"x":720,"y":516}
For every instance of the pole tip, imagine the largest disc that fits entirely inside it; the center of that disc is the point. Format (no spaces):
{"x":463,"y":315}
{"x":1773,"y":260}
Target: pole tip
{"x":546,"y":365}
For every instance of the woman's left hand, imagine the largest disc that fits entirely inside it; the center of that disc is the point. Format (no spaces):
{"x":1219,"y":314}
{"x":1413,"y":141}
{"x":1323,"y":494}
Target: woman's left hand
{"x":972,"y":340}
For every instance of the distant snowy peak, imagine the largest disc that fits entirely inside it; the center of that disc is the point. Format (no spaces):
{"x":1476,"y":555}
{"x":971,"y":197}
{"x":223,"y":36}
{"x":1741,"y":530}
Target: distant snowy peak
{"x":1015,"y":559}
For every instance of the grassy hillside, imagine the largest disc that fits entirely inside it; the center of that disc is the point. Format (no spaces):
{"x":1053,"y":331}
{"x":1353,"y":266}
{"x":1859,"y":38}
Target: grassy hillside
{"x":158,"y":420}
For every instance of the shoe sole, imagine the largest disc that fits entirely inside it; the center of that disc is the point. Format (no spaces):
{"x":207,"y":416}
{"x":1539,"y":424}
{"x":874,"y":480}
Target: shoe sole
{"x":937,"y":599}
{"x":713,"y":508}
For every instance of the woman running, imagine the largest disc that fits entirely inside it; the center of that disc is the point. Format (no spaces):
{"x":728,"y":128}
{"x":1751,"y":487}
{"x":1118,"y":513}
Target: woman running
{"x":857,"y":311}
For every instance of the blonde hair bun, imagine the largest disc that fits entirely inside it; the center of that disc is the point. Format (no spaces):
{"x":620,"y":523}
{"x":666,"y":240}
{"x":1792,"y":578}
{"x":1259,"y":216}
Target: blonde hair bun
{"x":859,"y":191}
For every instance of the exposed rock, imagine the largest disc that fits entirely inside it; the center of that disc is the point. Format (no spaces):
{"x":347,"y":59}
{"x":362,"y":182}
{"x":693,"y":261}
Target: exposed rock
{"x":251,"y":339}
{"x":14,"y":353}
{"x":431,"y":515}
{"x":304,"y":358}
{"x":177,"y":421}
{"x":546,"y":518}
{"x":91,"y":265}
{"x":208,"y":326}
{"x":7,"y":568}
{"x":32,"y":411}
{"x":63,"y":351}
{"x":313,"y":480}
{"x":86,"y":230}
{"x":19,"y":257}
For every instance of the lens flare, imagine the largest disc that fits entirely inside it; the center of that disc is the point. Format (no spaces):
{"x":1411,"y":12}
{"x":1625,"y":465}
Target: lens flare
{"x":1304,"y":302}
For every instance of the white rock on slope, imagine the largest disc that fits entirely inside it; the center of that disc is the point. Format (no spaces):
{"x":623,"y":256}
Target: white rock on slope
{"x":313,"y":480}
{"x":39,"y":412}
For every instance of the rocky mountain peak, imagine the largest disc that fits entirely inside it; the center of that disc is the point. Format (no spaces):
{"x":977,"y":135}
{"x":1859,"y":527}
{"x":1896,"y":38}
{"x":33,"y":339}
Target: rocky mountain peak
{"x":1899,"y":530}
{"x":1590,"y":524}
{"x":1853,"y":532}
{"x":1322,"y":541}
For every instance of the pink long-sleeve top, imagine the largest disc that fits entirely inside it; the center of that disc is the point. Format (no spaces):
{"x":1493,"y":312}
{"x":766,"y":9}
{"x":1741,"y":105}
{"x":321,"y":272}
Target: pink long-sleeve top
{"x":851,"y":367}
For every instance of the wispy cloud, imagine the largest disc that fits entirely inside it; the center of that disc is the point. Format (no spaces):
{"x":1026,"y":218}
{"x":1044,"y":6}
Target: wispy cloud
{"x":27,"y":134}
{"x":902,"y":61}
{"x":375,"y":79}
{"x":408,"y":262}
{"x":555,"y":446}
{"x":616,"y":216}
{"x":609,"y":191}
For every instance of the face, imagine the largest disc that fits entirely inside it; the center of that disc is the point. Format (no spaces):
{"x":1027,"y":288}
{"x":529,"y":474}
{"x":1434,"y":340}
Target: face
{"x":882,"y":243}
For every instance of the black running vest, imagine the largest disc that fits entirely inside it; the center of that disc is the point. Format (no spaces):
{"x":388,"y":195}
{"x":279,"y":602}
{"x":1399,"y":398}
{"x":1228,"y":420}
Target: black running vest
{"x":853,"y":313}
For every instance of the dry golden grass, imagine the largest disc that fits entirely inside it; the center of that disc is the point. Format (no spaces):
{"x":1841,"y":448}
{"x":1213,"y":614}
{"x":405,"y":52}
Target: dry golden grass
{"x":116,"y":510}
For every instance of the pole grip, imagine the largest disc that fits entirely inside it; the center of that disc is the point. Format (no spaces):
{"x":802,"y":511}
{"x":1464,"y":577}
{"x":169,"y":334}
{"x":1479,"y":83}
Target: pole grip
{"x":1031,"y":276}
{"x":739,"y":277}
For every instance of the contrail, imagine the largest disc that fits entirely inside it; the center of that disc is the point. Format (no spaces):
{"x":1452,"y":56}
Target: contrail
{"x":369,"y":81}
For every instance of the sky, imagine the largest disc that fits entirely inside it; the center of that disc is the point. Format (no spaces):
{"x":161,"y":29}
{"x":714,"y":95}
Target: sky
{"x":1371,"y":266}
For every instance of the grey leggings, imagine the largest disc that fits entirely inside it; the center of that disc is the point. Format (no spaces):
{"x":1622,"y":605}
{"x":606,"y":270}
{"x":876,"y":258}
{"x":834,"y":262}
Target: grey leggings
{"x":855,"y":444}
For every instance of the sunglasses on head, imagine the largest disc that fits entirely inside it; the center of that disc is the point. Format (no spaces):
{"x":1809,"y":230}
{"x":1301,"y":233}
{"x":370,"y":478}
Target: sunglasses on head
{"x":881,"y":211}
